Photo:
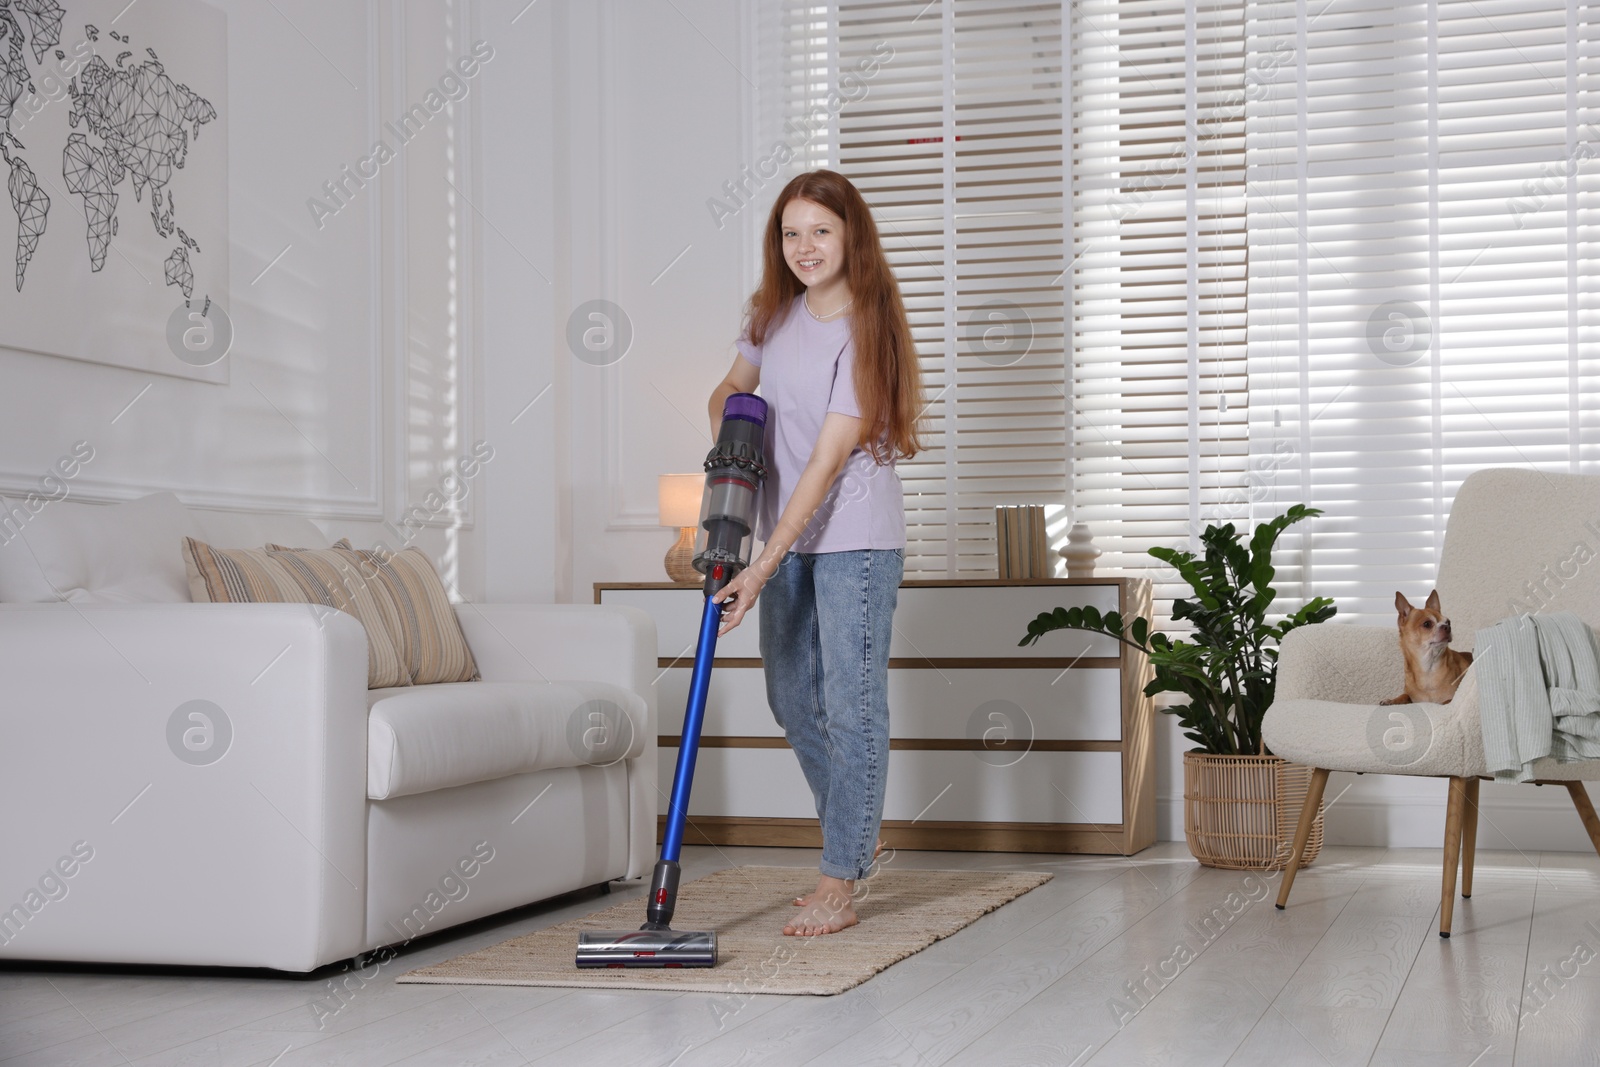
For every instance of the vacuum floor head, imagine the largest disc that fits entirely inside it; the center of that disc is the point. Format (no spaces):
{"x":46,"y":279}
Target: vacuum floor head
{"x":648,"y":948}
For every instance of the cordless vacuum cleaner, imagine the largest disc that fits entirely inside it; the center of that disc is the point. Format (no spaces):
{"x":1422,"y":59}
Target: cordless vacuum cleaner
{"x":734,"y":470}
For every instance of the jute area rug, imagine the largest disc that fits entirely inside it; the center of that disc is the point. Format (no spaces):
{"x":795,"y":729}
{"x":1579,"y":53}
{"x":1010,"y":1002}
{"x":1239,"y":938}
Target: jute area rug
{"x":902,"y":912}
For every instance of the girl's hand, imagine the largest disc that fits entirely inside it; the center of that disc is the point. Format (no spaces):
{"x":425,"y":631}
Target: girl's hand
{"x":739,"y":596}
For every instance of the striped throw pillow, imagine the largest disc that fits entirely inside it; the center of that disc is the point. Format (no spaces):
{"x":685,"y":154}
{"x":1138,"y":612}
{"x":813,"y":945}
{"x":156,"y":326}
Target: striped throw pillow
{"x":331,"y":577}
{"x":429,"y":633}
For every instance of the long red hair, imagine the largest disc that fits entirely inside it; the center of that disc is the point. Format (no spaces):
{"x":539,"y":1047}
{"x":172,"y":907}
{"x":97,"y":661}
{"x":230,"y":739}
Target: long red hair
{"x":888,"y":380}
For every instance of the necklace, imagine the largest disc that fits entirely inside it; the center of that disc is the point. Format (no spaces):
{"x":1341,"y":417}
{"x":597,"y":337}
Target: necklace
{"x":805,"y":298}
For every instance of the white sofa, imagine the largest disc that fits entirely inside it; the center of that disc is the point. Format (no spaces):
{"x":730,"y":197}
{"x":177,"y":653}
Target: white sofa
{"x":337,"y":820}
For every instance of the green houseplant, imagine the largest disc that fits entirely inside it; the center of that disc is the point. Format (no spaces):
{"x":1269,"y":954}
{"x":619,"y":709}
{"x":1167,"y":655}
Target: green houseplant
{"x":1227,"y":670}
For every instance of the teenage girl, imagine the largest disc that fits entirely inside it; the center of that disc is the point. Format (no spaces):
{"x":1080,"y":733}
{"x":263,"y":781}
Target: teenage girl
{"x":828,"y":342}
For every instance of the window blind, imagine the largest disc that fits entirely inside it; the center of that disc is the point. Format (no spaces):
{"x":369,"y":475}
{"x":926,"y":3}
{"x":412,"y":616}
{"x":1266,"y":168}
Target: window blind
{"x":1034,"y":165}
{"x":1160,"y":434}
{"x":1327,"y":253}
{"x":957,"y":142}
{"x":1422,"y":242}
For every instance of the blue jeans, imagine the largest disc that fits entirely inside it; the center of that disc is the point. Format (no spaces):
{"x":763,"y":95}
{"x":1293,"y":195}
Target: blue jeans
{"x":826,"y":620}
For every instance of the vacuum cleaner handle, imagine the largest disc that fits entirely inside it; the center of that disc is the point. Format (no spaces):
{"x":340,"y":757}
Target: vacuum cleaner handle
{"x":735,"y":468}
{"x":693,"y":719}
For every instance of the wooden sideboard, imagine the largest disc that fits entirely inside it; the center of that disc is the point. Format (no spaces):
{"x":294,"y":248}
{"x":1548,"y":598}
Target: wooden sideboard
{"x":993,"y":747}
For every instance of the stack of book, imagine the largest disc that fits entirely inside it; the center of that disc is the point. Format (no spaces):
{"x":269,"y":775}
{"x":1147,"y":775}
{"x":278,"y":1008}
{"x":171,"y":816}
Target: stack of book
{"x":1022,"y":548}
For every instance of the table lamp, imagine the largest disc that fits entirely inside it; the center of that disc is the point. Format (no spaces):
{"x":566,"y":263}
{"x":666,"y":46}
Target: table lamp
{"x":680,"y":507}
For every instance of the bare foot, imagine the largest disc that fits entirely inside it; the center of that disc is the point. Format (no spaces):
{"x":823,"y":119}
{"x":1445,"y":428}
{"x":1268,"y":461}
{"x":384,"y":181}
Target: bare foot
{"x":829,"y":911}
{"x":801,"y":902}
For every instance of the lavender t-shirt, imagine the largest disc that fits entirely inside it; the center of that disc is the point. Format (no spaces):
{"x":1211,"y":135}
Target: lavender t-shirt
{"x":806,"y":369}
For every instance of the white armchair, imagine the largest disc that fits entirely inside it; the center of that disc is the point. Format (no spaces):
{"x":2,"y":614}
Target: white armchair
{"x":1511,"y":546}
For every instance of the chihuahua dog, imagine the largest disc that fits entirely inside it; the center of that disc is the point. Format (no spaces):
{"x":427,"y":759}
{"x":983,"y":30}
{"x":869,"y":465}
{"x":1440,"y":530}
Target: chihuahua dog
{"x":1433,"y":669}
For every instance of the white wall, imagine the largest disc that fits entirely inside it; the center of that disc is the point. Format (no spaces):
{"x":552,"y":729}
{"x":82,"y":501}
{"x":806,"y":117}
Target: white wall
{"x":305,"y":337}
{"x":522,"y":241}
{"x":656,"y":128}
{"x":430,"y":312}
{"x":591,"y":197}
{"x":350,"y":386}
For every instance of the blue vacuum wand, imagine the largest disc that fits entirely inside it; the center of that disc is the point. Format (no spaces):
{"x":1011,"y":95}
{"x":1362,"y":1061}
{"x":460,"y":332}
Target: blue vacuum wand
{"x":735,"y":468}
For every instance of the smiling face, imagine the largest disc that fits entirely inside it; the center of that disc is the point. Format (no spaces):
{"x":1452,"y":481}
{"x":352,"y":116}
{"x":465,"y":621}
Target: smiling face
{"x":813,"y":246}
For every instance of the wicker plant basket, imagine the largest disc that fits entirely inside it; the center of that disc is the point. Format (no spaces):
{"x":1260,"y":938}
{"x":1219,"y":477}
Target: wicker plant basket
{"x":1239,"y":812}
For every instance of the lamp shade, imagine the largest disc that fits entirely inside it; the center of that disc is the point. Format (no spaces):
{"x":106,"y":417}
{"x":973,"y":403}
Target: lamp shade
{"x":680,"y":499}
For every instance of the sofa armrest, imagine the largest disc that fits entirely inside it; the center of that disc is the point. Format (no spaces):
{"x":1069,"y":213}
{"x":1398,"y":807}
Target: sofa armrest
{"x":1347,"y":664}
{"x":229,"y":832}
{"x":580,"y":642}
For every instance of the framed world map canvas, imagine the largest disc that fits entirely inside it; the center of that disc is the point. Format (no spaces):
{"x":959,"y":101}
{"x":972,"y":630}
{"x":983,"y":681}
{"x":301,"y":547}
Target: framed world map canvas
{"x":114,"y":158}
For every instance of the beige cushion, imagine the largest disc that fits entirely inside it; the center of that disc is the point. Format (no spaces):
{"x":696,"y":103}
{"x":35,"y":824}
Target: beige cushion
{"x":425,"y":628}
{"x":331,"y":577}
{"x":437,"y":736}
{"x":430,"y":635}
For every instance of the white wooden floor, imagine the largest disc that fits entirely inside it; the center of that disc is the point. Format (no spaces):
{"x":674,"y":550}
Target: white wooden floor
{"x":1149,"y":960}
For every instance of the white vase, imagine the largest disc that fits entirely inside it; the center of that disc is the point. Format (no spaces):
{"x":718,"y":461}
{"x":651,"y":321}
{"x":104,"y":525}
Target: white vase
{"x":1079,"y":552}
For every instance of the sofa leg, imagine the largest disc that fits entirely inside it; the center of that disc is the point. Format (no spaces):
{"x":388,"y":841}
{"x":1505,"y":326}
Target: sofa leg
{"x":1302,"y":832}
{"x":1454,"y":815}
{"x":1581,"y":801}
{"x":1469,"y":836}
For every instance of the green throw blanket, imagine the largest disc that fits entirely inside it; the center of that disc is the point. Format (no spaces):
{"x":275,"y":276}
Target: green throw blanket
{"x":1538,"y":691}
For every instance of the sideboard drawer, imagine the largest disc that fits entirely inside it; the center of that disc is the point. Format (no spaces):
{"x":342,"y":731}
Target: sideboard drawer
{"x":977,"y":621}
{"x":1080,"y":704}
{"x":677,"y":615}
{"x":928,"y":786}
{"x":736,"y":703}
{"x":955,"y":702}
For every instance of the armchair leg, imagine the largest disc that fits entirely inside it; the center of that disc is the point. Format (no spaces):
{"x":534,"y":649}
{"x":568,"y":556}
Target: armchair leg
{"x":1453,"y":818}
{"x":1469,"y":836}
{"x":1302,"y":832}
{"x":1580,"y":800}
